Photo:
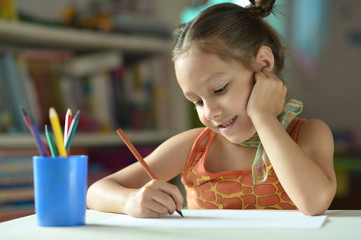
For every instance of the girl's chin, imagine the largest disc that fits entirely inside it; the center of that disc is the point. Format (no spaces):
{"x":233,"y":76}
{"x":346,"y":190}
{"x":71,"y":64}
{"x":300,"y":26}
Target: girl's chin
{"x":235,"y":140}
{"x":239,"y":138}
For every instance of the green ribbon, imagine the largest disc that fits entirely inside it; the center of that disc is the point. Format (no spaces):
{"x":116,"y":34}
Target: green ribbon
{"x":261,"y":164}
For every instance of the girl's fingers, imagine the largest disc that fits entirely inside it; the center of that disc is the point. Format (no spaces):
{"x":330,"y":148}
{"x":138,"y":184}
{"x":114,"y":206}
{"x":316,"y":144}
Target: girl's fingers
{"x":175,"y":194}
{"x":157,"y":209}
{"x":165,"y":203}
{"x":163,"y":197}
{"x":268,"y":94}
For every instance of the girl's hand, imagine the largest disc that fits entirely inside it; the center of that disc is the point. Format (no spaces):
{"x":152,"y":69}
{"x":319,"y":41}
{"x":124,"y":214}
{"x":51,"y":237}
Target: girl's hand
{"x":155,"y":199}
{"x":268,"y":95}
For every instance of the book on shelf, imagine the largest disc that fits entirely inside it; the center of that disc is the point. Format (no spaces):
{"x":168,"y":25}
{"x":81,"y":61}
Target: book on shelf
{"x":14,"y":88}
{"x":16,"y":183}
{"x":16,"y":163}
{"x":30,"y":90}
{"x":5,"y":106}
{"x":130,"y":94}
{"x":161,"y":70}
{"x":109,"y":91}
{"x":94,"y":63}
{"x":40,"y":67}
{"x":144,"y":101}
{"x":16,"y":212}
{"x":17,"y":194}
{"x":95,"y":72}
{"x":8,"y":10}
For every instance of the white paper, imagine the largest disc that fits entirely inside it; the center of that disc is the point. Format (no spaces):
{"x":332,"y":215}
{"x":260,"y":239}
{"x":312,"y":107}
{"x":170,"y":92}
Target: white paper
{"x":262,"y":219}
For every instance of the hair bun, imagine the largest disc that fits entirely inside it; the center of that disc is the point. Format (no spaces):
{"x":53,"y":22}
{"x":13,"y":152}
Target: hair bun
{"x":259,"y":9}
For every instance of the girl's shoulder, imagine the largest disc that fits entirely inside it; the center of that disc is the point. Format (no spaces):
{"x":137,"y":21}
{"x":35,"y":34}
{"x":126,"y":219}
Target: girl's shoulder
{"x":170,"y":157}
{"x":180,"y":144}
{"x":315,"y":134}
{"x":187,"y":137}
{"x":314,"y":127}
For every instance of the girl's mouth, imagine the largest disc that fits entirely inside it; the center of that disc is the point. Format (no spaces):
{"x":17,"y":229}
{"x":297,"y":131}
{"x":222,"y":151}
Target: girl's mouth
{"x":228,"y":124}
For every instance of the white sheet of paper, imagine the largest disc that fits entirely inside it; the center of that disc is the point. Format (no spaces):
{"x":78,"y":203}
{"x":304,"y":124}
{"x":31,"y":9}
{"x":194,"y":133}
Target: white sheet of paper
{"x":264,"y":219}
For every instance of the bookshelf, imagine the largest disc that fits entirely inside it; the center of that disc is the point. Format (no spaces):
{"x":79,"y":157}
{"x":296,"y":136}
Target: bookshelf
{"x":104,"y":148}
{"x":19,"y":35}
{"x":33,"y":35}
{"x":93,"y":139}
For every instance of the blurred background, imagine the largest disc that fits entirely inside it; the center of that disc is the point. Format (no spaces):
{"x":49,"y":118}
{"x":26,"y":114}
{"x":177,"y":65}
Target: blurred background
{"x":111,"y":60}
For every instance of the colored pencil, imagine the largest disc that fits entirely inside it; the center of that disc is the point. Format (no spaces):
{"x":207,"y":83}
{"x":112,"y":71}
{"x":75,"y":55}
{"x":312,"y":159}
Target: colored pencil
{"x":26,"y":118}
{"x":68,"y":120}
{"x":136,"y":153}
{"x":38,"y":140}
{"x":138,"y":157}
{"x":55,"y":124}
{"x":51,"y":143}
{"x":72,"y":129}
{"x":43,"y":151}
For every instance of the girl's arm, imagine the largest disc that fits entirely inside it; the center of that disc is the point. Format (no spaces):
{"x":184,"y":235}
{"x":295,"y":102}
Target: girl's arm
{"x":131,"y":190}
{"x":305,"y":169}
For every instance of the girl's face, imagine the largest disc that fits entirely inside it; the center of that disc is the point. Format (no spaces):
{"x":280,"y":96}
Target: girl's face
{"x":220,"y":91}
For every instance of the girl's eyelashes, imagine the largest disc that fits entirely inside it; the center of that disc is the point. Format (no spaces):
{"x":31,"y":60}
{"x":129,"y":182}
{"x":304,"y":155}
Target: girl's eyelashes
{"x":198,"y":103}
{"x":222,"y":89}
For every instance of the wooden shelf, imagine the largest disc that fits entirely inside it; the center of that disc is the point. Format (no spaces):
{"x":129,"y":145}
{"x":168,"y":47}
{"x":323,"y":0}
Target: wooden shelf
{"x":14,"y":141}
{"x":33,"y":35}
{"x":108,"y":139}
{"x":19,"y":36}
{"x":27,"y":35}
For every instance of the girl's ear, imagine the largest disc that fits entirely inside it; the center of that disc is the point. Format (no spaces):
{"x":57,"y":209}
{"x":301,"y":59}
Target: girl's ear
{"x":264,"y":59}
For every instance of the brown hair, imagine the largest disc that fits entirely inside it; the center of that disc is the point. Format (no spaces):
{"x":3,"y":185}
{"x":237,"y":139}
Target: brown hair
{"x":230,"y":30}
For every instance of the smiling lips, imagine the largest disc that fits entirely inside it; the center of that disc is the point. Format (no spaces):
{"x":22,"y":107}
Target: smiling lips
{"x":226,"y":125}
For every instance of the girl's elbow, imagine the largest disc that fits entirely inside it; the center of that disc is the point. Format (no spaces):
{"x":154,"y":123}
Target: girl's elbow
{"x":313,"y":211}
{"x":93,"y":194}
{"x":90,"y":196}
{"x":317,"y":205}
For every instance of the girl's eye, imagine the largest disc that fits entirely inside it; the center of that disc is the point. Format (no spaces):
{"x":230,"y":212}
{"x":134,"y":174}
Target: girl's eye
{"x":198,"y":103}
{"x":221,"y":90}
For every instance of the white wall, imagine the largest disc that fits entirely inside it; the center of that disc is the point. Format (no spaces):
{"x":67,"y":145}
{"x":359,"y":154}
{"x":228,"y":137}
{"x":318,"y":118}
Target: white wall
{"x":333,"y":92}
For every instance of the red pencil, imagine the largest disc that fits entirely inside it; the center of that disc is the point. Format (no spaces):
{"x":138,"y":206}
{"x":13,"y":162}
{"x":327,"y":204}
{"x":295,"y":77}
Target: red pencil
{"x":43,"y":150}
{"x":136,"y":154}
{"x":68,"y":120}
{"x":139,"y":157}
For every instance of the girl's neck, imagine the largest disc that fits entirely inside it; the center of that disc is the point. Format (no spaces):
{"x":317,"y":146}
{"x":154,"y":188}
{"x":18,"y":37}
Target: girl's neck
{"x":226,"y":156}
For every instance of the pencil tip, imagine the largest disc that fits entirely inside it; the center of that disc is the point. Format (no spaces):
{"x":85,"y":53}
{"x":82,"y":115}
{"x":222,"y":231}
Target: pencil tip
{"x":77,"y":114}
{"x":180,"y":213}
{"x":23,"y":111}
{"x":68,"y":112}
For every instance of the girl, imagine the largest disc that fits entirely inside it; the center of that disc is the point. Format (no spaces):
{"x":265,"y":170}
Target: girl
{"x":253,"y":151}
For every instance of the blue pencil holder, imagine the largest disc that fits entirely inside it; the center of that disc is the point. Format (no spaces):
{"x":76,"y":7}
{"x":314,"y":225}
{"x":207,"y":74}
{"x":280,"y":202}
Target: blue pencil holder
{"x":60,"y":186}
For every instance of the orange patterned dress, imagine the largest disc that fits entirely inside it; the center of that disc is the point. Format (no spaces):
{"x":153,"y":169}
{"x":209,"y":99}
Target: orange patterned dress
{"x":231,"y":189}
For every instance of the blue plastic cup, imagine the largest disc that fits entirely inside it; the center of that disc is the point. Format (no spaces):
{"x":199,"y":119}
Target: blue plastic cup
{"x":60,"y":186}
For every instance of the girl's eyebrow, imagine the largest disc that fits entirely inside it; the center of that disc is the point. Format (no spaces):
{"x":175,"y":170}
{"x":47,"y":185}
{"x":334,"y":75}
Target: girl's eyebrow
{"x":213,"y":76}
{"x":208,"y":79}
{"x":188,"y":95}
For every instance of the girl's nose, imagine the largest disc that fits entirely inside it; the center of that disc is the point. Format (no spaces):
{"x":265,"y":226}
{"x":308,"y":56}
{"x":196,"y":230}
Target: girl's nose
{"x":212,"y":111}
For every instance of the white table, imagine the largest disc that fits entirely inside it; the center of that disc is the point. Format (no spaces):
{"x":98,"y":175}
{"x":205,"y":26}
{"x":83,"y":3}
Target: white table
{"x":340,"y":225}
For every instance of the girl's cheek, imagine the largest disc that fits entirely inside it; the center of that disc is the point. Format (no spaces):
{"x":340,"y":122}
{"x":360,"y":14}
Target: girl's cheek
{"x":243,"y":98}
{"x":201,"y":117}
{"x":236,"y":102}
